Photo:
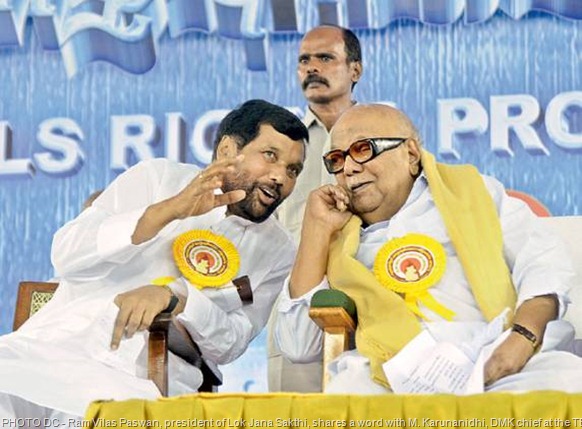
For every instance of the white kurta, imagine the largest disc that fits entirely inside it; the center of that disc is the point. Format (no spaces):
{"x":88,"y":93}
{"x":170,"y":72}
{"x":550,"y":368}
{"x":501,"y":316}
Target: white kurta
{"x":538,"y":263}
{"x":61,"y":359}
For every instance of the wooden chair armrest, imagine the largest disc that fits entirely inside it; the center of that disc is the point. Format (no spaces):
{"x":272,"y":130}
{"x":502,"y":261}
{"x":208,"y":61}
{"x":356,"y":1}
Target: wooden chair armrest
{"x":332,"y":309}
{"x":335,"y":313}
{"x":166,"y":333}
{"x":332,"y":319}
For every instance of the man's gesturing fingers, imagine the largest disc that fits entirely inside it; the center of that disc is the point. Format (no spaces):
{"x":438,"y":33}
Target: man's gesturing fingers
{"x":218,"y":169}
{"x":229,"y":198}
{"x":137,"y":309}
{"x":198,"y":196}
{"x":119,"y":326}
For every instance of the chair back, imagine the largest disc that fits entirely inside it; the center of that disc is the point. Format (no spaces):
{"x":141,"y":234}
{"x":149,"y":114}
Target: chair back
{"x":31,"y":297}
{"x":570,"y":230}
{"x":534,"y":204}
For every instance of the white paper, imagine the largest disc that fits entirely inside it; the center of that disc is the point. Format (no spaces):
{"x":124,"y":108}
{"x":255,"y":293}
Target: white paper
{"x":425,"y":366}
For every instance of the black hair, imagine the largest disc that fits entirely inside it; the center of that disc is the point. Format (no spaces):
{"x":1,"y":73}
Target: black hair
{"x":243,"y":123}
{"x":351,"y":45}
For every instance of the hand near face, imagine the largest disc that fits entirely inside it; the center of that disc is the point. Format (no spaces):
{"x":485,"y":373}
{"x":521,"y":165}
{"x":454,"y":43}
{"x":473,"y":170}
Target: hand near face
{"x":137,"y":310}
{"x":507,"y":359}
{"x":327,"y":208}
{"x":198,"y":196}
{"x":326,"y":213}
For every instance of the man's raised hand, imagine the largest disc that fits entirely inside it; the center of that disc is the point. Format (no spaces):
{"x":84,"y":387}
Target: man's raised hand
{"x":327,"y":207}
{"x":195,"y":199}
{"x":198,"y":196}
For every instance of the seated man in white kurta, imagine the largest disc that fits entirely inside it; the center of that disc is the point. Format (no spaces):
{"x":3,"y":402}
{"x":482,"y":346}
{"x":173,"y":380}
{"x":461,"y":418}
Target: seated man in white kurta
{"x":108,"y":257}
{"x":483,"y":252}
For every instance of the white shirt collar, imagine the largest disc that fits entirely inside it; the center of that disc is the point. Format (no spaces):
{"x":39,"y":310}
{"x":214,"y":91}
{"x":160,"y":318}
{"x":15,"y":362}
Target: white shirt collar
{"x":310,"y":117}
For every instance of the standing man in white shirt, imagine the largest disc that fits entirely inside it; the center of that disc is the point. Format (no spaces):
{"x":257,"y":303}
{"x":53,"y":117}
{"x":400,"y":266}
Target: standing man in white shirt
{"x":328,"y":68}
{"x":160,"y":222}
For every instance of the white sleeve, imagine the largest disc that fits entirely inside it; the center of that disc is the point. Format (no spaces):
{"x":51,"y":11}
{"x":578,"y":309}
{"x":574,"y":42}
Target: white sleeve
{"x":538,"y":259}
{"x":298,"y":337}
{"x":90,"y":246}
{"x":223,"y":336}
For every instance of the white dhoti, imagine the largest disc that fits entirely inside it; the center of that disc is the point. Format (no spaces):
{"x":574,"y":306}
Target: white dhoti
{"x":66,"y":371}
{"x":553,"y":368}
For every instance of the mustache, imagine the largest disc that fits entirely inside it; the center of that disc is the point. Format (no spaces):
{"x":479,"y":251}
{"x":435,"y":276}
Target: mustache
{"x":312,"y":78}
{"x":273,"y":188}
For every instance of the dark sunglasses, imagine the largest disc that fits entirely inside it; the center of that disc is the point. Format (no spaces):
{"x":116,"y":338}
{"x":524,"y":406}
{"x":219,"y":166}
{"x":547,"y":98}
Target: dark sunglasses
{"x":360,"y":151}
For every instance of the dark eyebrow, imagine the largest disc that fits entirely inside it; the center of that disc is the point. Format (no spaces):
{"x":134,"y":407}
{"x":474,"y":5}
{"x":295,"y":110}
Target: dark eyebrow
{"x":324,"y":54}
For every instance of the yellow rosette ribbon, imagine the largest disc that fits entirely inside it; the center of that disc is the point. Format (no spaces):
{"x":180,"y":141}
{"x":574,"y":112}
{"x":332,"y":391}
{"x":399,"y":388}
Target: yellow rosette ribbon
{"x":206,"y":259}
{"x":410,"y":265}
{"x":163,"y":281}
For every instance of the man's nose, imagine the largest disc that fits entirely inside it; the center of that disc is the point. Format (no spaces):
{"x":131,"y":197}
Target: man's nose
{"x":278,"y":174}
{"x":312,"y":67}
{"x":351,"y":167}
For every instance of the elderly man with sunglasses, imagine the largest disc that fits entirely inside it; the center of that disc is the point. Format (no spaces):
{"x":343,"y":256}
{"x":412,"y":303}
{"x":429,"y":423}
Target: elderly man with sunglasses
{"x":424,"y":247}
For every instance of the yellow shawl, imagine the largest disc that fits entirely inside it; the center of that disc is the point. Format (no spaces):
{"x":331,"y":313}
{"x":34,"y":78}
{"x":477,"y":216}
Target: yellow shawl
{"x":385,"y":324}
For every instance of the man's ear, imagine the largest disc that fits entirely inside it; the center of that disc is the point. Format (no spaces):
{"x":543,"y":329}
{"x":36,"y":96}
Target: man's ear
{"x":357,"y":70}
{"x":414,"y":154}
{"x":227,"y":148}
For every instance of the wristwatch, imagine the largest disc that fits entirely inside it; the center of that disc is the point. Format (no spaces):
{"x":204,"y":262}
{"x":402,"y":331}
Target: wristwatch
{"x":527,"y":334}
{"x":173,"y":300}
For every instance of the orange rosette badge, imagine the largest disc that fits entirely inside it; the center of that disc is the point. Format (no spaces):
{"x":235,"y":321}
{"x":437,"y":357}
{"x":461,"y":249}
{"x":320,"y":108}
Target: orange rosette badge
{"x":410,"y":265}
{"x":206,"y":259}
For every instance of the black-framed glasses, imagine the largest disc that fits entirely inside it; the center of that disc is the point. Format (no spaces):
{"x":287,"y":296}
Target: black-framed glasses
{"x":360,"y":151}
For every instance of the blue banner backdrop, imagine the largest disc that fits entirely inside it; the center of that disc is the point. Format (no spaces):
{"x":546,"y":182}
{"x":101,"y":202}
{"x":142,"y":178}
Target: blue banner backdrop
{"x":493,"y":83}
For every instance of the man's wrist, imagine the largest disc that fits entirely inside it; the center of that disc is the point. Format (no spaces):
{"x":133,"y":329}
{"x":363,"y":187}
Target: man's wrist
{"x":153,"y":220}
{"x":527,"y":334}
{"x":173,"y":300}
{"x":315,"y":231}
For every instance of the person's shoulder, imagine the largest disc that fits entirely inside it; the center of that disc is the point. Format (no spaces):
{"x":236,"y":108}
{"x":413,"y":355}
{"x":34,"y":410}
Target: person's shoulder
{"x":493,"y":184}
{"x":165,"y":163}
{"x":495,"y":188}
{"x":167,"y":168}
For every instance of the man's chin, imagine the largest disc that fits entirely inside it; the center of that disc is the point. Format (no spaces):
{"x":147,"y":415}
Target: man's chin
{"x":252,"y":214}
{"x":264,"y":213}
{"x":359,"y":207}
{"x":314,"y":96}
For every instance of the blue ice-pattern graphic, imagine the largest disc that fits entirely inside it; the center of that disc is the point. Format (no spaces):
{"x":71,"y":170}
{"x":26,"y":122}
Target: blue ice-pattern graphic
{"x":125,"y":32}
